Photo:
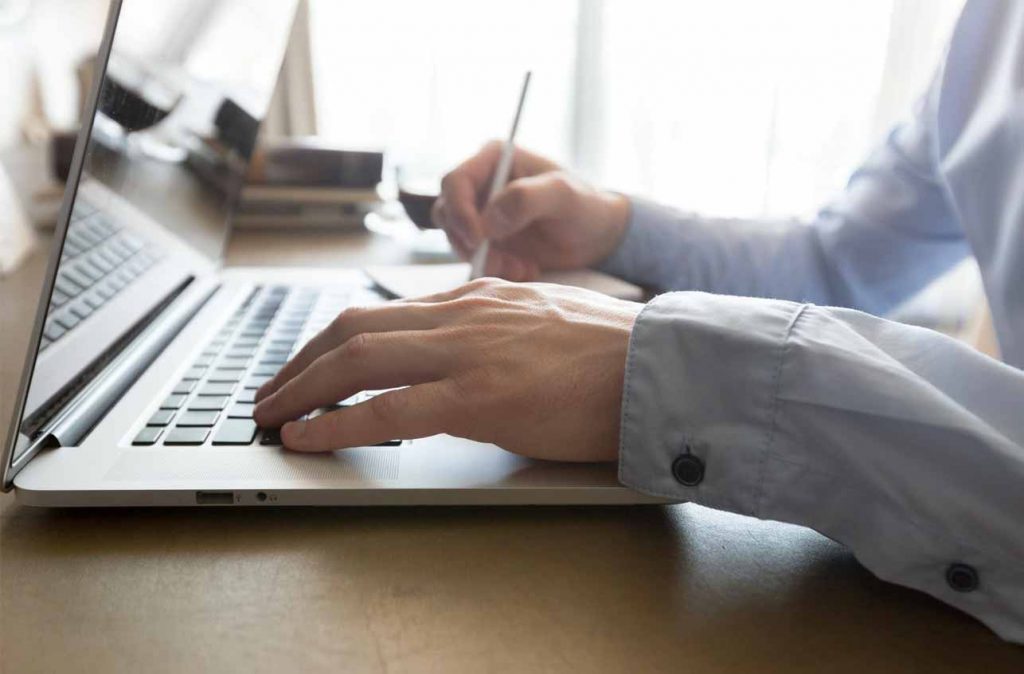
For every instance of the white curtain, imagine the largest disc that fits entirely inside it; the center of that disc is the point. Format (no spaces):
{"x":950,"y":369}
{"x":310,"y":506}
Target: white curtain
{"x":732,"y":107}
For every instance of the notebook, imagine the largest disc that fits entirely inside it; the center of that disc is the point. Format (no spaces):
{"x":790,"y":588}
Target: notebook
{"x":426,"y":279}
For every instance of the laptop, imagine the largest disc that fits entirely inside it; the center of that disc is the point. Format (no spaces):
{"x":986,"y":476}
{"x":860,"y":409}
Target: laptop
{"x":146,"y":352}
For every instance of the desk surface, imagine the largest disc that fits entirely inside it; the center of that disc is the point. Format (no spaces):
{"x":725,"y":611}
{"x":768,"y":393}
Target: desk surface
{"x":638,"y":589}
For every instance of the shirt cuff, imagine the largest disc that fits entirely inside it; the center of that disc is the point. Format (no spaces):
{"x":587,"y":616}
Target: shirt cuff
{"x":640,"y":257}
{"x":701,"y":383}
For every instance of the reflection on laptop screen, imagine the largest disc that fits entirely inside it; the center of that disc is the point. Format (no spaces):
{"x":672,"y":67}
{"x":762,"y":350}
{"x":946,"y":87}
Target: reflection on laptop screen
{"x":177,"y":114}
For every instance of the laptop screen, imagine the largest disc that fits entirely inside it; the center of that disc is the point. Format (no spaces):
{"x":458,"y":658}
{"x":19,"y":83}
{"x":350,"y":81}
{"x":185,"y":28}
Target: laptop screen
{"x":184,"y":86}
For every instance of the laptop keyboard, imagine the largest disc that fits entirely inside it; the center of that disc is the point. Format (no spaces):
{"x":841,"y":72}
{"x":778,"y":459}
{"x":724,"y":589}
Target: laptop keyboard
{"x":99,"y":260}
{"x":213,"y":402}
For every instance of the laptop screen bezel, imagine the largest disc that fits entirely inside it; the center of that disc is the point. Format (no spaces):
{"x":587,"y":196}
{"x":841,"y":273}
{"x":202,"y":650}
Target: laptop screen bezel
{"x":10,"y":465}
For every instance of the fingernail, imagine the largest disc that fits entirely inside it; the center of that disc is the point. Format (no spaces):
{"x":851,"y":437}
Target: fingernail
{"x":293,"y":431}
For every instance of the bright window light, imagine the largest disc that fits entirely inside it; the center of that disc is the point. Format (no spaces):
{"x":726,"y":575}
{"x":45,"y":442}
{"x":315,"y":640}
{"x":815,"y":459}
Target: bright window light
{"x":730,"y":107}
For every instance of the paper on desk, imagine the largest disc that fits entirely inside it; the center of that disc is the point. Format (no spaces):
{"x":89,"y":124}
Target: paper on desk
{"x":426,"y":279}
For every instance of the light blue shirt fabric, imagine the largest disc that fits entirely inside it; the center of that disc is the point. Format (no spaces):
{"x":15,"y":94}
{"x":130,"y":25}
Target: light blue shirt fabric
{"x":774,"y":370}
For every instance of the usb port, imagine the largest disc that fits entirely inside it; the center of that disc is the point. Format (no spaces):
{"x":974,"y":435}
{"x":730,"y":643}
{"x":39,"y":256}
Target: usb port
{"x":215,"y":497}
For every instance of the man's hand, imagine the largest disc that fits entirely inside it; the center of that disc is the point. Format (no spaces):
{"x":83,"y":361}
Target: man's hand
{"x":537,"y":369}
{"x":543,"y":219}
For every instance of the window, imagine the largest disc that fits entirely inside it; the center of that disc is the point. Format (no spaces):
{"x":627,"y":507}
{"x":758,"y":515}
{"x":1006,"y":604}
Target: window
{"x":731,"y":107}
{"x":430,"y":82}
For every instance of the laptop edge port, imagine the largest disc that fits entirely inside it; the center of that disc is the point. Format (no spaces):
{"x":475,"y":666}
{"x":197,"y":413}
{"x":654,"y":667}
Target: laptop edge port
{"x":215,"y":498}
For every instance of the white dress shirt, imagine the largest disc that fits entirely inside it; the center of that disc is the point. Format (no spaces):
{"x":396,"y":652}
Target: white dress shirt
{"x":783,"y":395}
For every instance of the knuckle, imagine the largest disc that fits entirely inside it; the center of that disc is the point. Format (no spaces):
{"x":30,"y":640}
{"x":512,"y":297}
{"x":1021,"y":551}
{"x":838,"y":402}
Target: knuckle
{"x":516,"y":198}
{"x":448,"y":181}
{"x":471,"y":303}
{"x":563,"y":184}
{"x":387,"y":407}
{"x":481,"y":284}
{"x":357,"y":346}
{"x":346,"y":316}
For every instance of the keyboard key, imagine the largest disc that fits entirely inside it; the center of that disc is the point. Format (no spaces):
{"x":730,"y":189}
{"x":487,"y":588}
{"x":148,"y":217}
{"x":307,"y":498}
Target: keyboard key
{"x":78,"y":275}
{"x":53,"y":330}
{"x":194,"y":373}
{"x":161,"y":418}
{"x":246,"y":396}
{"x":275,"y":359}
{"x":209,"y":403}
{"x":234,"y":363}
{"x":226,"y":376}
{"x":93,"y":299}
{"x":266,"y":370}
{"x":204,"y":361}
{"x":81,"y":310}
{"x":147,"y":436}
{"x":100,"y":263}
{"x":105,"y":290}
{"x":235,"y":432}
{"x":67,"y":319}
{"x":277,"y":353}
{"x":67,"y":287}
{"x":256,"y":382}
{"x":186,"y":436}
{"x":193,"y":418}
{"x":271,"y":437}
{"x":58,"y":298}
{"x":241,"y":411}
{"x":173,"y":401}
{"x":217,"y":389}
{"x":184,"y":386}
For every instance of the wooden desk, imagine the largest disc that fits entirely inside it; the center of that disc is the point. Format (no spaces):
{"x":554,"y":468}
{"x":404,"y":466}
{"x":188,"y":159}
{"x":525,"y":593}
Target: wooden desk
{"x":642,"y":589}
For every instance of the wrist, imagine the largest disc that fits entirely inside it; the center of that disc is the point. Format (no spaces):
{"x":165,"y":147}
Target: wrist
{"x":616,"y":209}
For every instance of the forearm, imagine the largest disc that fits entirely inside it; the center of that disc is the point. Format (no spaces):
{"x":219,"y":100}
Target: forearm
{"x":668,"y":249}
{"x":898,"y":442}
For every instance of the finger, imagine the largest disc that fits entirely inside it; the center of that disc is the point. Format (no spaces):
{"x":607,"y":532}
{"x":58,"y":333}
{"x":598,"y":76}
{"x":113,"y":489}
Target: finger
{"x":523,"y":202}
{"x":502,"y":264}
{"x":365,"y":362}
{"x":463,"y":189}
{"x":415,"y":412}
{"x":455,"y":238}
{"x":389,"y":317}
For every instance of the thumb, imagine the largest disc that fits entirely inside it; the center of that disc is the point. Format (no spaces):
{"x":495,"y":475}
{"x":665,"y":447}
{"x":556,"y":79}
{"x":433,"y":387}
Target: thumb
{"x":523,"y":202}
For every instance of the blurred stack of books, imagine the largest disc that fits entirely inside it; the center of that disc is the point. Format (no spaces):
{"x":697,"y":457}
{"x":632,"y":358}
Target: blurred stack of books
{"x":307,"y":183}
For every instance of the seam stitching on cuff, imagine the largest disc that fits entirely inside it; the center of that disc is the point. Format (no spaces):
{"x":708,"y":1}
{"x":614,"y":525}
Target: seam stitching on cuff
{"x":776,"y":387}
{"x":626,"y":388}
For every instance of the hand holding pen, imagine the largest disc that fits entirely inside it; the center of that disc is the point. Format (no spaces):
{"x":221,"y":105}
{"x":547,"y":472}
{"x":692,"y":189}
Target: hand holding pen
{"x":543,"y":218}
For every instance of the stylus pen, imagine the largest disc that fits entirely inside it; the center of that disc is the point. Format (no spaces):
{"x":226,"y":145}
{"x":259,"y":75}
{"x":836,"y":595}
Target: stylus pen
{"x":479,"y":259}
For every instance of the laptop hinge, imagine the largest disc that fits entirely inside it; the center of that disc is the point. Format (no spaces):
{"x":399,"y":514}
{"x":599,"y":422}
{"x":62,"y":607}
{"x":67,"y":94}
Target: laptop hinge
{"x":71,"y":424}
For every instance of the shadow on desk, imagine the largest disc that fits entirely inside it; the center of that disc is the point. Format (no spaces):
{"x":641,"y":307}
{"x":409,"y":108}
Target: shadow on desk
{"x":644,"y":588}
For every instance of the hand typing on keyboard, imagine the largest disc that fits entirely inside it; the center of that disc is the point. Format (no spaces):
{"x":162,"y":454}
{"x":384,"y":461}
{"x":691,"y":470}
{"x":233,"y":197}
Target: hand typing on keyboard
{"x":536,"y":369}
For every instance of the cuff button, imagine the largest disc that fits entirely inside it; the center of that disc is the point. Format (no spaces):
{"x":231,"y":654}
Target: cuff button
{"x":688,"y":470}
{"x":962,"y":577}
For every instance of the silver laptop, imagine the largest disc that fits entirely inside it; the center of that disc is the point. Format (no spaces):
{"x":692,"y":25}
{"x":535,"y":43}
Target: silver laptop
{"x":138,"y":386}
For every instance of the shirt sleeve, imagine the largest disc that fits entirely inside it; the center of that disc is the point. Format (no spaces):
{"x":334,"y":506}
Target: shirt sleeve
{"x":901,"y":443}
{"x":887,"y":235}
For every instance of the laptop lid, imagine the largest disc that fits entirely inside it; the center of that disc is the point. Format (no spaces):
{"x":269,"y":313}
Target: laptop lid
{"x":180,"y":90}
